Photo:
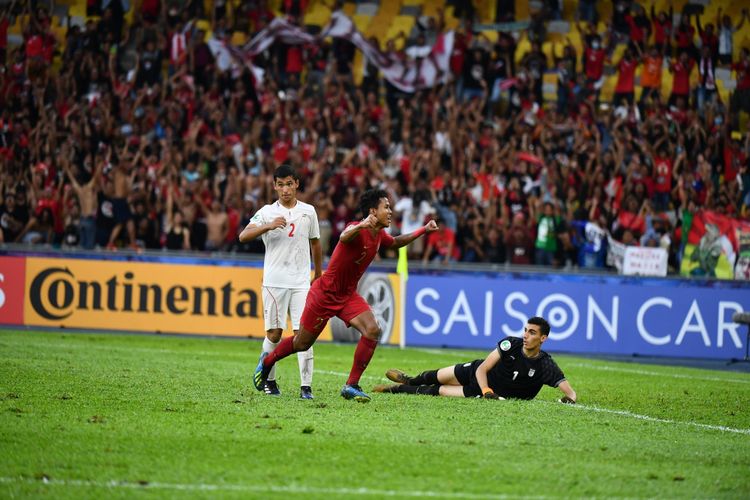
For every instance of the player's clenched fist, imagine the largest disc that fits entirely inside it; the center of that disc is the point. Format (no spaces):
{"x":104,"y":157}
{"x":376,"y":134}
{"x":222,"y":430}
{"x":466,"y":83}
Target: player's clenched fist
{"x":370,"y":221}
{"x":431,"y":226}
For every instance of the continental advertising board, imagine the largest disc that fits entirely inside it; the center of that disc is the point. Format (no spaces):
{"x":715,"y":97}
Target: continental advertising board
{"x":609,"y":315}
{"x":220,"y":299}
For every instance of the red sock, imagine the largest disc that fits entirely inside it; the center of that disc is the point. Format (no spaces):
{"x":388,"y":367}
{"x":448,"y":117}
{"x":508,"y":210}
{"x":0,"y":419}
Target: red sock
{"x":362,"y":356}
{"x":284,"y":349}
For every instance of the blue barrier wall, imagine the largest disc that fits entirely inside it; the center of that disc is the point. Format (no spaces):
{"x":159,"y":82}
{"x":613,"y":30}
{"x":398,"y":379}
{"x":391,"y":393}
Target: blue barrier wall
{"x":588,"y":314}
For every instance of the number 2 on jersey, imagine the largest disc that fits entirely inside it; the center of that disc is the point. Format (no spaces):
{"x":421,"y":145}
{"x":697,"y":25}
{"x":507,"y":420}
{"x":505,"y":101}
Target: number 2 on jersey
{"x":291,"y":233}
{"x":361,"y":257}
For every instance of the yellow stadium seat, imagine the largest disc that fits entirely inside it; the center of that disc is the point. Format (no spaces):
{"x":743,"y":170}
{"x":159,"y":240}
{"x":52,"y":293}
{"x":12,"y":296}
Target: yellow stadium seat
{"x":358,"y":67}
{"x":362,"y":22}
{"x":431,"y":8}
{"x":569,"y":10}
{"x":349,"y":8}
{"x":521,"y":49}
{"x":608,"y":89}
{"x":522,"y":10}
{"x":77,"y":9}
{"x":238,"y":38}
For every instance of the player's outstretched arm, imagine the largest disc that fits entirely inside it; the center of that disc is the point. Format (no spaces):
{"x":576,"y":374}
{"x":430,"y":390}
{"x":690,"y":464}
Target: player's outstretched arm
{"x":570,"y":396}
{"x":252,"y":231}
{"x":404,"y":239}
{"x":488,"y":364}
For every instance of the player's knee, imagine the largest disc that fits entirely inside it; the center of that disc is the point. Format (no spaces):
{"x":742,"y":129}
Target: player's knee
{"x":274,"y":335}
{"x":373,"y":332}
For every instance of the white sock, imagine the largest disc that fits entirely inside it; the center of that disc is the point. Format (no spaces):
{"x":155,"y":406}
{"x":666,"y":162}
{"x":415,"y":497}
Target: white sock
{"x":305,"y":361}
{"x":269,"y":346}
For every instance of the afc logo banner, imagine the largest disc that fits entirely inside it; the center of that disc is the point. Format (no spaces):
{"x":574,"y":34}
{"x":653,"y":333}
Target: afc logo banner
{"x":12,"y":279}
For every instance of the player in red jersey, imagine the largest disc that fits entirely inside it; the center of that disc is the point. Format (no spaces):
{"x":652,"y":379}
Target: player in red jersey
{"x":335,"y":293}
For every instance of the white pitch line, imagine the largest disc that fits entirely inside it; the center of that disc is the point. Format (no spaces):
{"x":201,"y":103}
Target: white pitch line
{"x":647,"y":418}
{"x":342,"y":374}
{"x":658,"y":374}
{"x":440,"y":352}
{"x":623,"y":413}
{"x":248,"y":488}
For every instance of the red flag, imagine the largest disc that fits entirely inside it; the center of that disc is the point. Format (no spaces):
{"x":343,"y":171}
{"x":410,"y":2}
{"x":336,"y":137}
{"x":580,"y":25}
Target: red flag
{"x":522,"y":156}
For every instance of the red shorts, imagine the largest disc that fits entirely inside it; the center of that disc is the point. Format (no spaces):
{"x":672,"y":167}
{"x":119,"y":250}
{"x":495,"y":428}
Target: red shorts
{"x":319,"y":308}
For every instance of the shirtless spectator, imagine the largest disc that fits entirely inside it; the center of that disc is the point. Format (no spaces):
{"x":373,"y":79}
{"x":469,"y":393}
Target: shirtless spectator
{"x":217,"y":224}
{"x":86,"y":194}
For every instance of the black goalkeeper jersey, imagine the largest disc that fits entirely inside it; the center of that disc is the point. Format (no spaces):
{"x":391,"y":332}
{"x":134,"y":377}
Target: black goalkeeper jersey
{"x":516,"y":376}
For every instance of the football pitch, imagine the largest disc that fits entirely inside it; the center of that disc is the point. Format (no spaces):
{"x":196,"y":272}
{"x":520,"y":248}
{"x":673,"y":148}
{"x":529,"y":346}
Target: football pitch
{"x":123,"y":416}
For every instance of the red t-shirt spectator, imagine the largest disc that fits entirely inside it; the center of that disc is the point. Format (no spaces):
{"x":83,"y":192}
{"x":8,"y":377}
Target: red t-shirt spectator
{"x":150,"y":8}
{"x":34,"y":47}
{"x":684,"y":37}
{"x":632,"y":221}
{"x":294,"y":59}
{"x":663,"y":174}
{"x":594,"y":65}
{"x":3,"y":33}
{"x":260,"y":18}
{"x":626,"y":76}
{"x":733,"y":158}
{"x":637,"y":33}
{"x":281,"y":151}
{"x":681,"y":81}
{"x":443,"y":241}
{"x":743,"y":74}
{"x":711,"y":41}
{"x":662,"y":31}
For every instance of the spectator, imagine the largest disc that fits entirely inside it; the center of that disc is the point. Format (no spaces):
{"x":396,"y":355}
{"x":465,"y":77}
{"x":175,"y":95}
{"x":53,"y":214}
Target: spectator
{"x":726,"y":35}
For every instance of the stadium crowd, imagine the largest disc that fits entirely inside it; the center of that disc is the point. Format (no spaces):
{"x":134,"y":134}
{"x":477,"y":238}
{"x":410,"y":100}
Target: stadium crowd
{"x":129,"y":135}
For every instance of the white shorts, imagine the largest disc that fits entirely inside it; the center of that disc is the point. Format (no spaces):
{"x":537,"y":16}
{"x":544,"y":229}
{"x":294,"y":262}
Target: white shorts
{"x":280,"y":303}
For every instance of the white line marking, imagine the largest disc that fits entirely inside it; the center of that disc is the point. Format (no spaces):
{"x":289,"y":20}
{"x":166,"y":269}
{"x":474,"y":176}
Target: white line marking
{"x":440,"y":352}
{"x":342,"y":374}
{"x":292,"y":489}
{"x":647,"y":418}
{"x":658,"y":374}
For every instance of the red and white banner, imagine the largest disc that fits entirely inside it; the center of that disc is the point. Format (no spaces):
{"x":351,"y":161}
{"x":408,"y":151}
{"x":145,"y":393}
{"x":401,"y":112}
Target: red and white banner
{"x":406,"y":73}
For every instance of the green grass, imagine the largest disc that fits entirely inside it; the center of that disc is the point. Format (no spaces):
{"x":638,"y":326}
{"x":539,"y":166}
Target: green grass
{"x":85,"y":415}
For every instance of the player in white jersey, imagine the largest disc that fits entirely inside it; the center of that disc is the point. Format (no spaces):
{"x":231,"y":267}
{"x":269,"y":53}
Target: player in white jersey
{"x":289,"y":229}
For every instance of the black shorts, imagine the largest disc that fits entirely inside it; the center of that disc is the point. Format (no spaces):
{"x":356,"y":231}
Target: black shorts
{"x":121,"y":210}
{"x":466,"y":375}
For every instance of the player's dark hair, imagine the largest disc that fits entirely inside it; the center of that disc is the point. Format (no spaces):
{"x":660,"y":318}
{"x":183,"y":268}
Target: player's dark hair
{"x":371,"y":199}
{"x":541,"y":323}
{"x":285,"y":171}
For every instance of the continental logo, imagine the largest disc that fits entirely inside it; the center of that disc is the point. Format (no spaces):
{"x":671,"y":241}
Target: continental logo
{"x":56,"y":293}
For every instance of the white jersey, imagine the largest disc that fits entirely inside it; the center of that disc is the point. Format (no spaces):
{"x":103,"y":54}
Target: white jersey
{"x":287,"y":260}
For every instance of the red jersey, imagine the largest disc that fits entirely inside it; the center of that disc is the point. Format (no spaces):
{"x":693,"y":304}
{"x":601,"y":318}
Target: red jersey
{"x":684,"y":37}
{"x":662,"y":31}
{"x":637,"y":33}
{"x":4,"y":32}
{"x":681,"y":81}
{"x":742,"y":68}
{"x":626,"y":77}
{"x":594,"y":63}
{"x":349,"y":262}
{"x":663,"y":174}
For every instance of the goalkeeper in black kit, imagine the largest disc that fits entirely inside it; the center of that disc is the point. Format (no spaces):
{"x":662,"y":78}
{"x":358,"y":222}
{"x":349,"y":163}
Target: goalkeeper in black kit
{"x":516,"y":369}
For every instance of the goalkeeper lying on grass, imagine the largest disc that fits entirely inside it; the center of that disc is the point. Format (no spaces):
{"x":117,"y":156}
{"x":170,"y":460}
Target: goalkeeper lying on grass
{"x":516,"y":369}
